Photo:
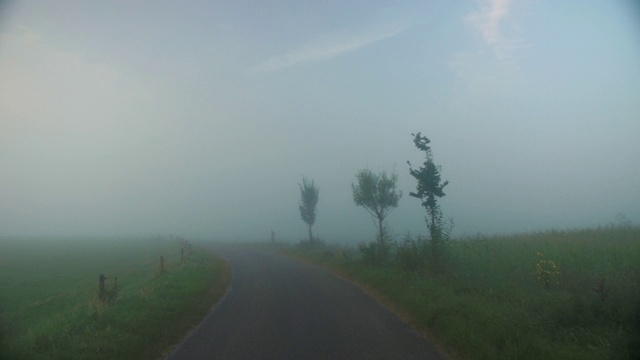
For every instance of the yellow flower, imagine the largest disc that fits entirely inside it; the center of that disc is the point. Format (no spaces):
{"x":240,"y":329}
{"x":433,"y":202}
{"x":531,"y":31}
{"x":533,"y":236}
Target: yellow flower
{"x":547,"y":271}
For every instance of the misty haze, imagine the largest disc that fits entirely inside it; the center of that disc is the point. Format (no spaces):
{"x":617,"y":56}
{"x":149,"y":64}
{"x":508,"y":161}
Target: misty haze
{"x":202,"y":120}
{"x":225,"y":122}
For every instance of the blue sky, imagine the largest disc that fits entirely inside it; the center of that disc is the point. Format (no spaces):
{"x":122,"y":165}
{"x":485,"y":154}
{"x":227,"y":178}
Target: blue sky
{"x":200,"y":118}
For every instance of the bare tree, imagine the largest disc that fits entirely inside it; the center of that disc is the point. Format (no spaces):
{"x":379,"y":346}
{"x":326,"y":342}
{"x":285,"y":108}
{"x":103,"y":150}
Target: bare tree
{"x":308,"y":201}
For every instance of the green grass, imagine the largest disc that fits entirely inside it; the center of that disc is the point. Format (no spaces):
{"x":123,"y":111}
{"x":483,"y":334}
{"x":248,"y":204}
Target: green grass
{"x":49,"y":307}
{"x":487,"y":302}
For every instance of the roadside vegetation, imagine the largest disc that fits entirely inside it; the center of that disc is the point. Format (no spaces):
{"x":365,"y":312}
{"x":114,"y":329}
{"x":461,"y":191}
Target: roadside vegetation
{"x":51,"y":305}
{"x":571,"y":294}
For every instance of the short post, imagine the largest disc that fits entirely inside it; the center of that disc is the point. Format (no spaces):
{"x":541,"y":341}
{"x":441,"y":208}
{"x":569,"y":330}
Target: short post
{"x":101,"y":289}
{"x":161,"y":264}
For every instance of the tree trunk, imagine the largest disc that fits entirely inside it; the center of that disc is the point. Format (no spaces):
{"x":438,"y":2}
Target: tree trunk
{"x":433,"y":225}
{"x":382,"y":249}
{"x":310,"y":235}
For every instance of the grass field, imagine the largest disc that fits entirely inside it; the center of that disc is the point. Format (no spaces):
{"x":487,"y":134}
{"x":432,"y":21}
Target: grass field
{"x":549,"y":295}
{"x":50,"y":309}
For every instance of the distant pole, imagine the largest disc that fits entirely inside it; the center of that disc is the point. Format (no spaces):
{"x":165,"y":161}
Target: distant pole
{"x":161,"y":264}
{"x":181,"y":254}
{"x":273,"y":237}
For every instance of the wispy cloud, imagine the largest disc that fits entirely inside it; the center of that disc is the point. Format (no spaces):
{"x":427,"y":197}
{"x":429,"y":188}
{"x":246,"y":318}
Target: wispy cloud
{"x":479,"y":73}
{"x":327,"y":49}
{"x":488,"y":21}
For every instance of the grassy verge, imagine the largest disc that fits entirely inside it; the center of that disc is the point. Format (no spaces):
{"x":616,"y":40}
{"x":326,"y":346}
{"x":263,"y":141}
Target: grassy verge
{"x":553,"y":295}
{"x":49,"y":305}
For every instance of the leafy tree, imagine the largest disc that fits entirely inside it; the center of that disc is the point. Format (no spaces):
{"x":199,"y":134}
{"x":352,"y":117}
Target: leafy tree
{"x":308,"y":201}
{"x":378,"y":195}
{"x":429,"y":188}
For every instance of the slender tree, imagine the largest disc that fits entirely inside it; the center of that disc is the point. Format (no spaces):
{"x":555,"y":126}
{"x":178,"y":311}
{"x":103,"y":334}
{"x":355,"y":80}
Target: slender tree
{"x":308,"y":201}
{"x":377,"y":193}
{"x":429,"y":187}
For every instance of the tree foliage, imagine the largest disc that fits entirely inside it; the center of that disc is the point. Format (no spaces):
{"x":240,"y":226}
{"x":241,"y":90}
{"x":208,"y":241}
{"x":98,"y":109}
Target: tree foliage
{"x":377,"y":193}
{"x":308,"y":201}
{"x":429,"y":187}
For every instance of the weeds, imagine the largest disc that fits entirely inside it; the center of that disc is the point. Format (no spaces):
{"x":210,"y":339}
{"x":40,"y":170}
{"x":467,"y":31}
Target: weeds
{"x":315,"y":241}
{"x":373,"y":253}
{"x":415,"y":255}
{"x":412,"y":254}
{"x":499,"y":297}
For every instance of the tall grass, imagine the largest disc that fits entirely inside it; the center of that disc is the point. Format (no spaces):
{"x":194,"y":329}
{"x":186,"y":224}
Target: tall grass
{"x":50,"y":307}
{"x":487,"y":299}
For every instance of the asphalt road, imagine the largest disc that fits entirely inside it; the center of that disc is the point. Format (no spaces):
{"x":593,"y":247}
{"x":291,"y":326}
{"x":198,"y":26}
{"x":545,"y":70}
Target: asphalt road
{"x":281,"y":308}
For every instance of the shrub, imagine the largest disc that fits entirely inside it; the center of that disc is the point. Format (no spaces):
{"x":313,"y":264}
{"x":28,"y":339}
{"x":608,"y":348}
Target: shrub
{"x":412,"y":254}
{"x":375,"y":253}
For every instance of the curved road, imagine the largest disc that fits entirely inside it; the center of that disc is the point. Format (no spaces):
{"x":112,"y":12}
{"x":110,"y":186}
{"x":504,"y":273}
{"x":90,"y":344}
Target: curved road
{"x":281,"y":308}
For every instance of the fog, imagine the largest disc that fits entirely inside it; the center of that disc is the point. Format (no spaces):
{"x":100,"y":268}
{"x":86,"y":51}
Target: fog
{"x":200,"y":118}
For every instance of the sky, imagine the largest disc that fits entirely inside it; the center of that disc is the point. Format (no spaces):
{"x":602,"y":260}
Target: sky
{"x":200,"y":118}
